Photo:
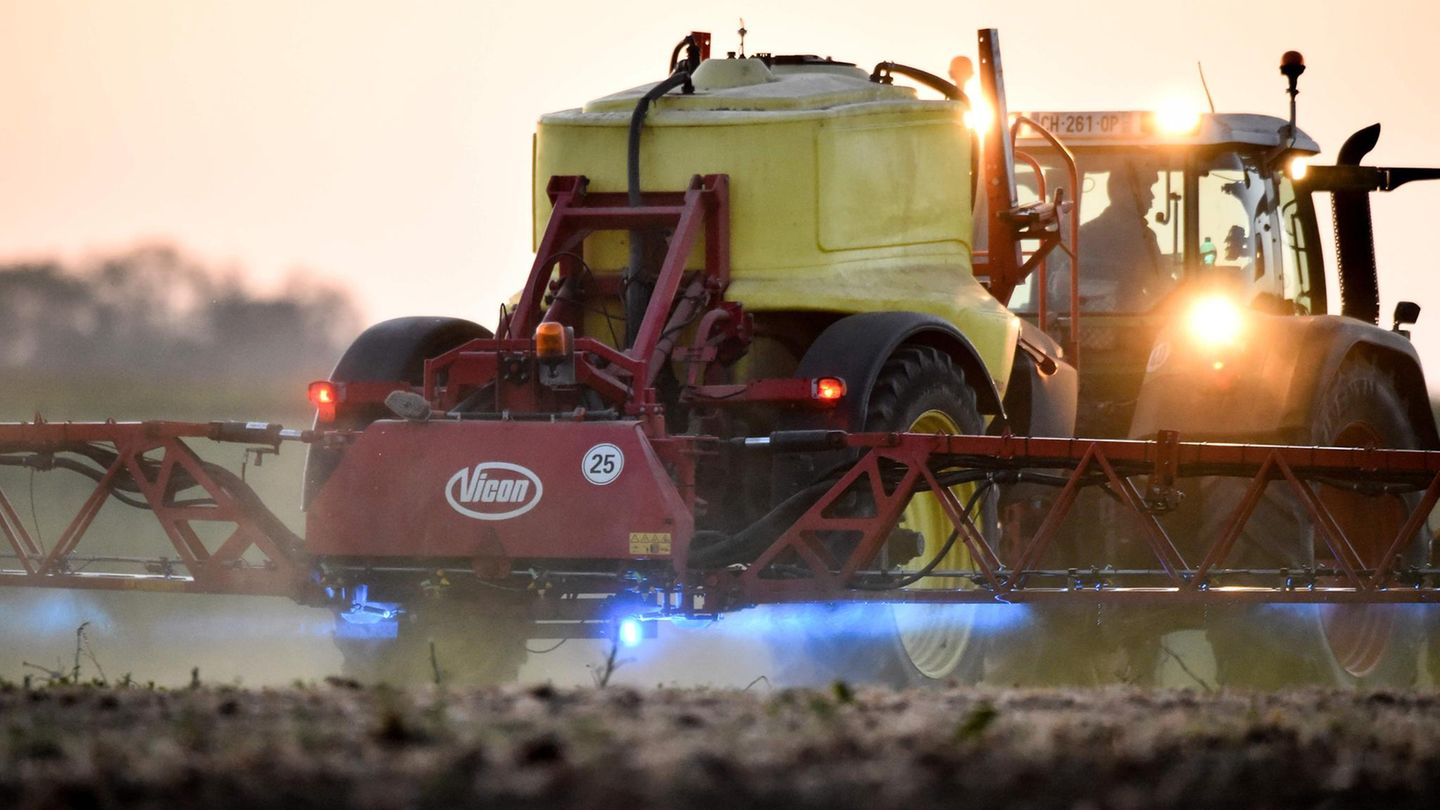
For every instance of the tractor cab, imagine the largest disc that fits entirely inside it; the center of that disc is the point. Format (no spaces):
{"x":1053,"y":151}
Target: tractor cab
{"x":1170,"y":207}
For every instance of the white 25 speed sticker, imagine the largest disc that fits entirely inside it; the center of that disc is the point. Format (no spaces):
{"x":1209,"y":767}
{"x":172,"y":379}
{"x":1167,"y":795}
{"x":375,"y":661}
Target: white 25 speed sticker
{"x":602,"y":464}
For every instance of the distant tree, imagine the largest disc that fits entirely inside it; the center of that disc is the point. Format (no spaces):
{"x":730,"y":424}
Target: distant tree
{"x":42,"y":311}
{"x":154,"y":310}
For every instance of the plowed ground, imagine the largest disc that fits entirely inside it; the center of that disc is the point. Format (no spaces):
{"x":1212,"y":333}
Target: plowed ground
{"x":339,"y":745}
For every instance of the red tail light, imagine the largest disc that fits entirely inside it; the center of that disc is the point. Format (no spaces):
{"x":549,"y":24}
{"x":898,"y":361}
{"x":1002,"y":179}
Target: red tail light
{"x":828,"y":389}
{"x":323,"y":394}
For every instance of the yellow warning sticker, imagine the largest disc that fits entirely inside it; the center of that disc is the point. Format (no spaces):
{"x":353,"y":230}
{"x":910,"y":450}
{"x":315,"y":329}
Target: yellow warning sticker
{"x":650,"y":544}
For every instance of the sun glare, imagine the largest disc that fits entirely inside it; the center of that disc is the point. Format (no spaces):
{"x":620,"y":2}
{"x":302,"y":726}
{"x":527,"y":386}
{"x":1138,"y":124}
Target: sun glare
{"x":1176,"y":117}
{"x":981,"y":114}
{"x":1215,"y":320}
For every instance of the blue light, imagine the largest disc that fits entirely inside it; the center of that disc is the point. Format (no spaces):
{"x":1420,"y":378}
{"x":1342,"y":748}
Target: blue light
{"x":630,"y":632}
{"x":368,"y":620}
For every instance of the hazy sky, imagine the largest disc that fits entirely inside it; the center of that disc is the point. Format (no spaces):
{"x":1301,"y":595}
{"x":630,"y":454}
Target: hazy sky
{"x":388,"y":144}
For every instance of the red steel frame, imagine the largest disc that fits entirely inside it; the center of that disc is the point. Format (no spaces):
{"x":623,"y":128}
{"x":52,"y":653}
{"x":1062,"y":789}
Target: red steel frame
{"x":197,"y":567}
{"x":286,"y":570}
{"x":1116,"y":461}
{"x":626,"y":376}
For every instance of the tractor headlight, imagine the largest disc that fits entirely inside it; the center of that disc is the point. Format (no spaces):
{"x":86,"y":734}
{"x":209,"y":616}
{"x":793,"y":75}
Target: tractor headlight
{"x":1215,"y":321}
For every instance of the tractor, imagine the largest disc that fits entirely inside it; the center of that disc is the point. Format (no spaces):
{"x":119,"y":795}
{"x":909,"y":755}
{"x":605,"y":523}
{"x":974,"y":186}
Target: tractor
{"x":1205,"y":311}
{"x":864,"y":285}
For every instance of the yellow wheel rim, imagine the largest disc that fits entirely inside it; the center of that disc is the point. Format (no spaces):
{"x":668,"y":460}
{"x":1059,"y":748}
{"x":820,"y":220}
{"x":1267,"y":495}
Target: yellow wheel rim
{"x":935,"y":637}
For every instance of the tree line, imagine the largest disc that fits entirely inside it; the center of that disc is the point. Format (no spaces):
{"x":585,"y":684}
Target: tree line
{"x":155,"y":312}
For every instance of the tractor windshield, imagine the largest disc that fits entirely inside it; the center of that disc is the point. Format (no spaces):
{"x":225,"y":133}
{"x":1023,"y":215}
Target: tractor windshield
{"x":1149,"y":220}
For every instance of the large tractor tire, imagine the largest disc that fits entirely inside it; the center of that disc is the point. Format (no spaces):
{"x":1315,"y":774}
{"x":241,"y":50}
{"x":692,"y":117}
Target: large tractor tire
{"x":919,"y":390}
{"x":390,"y":351}
{"x":475,"y":641}
{"x":1356,"y":645}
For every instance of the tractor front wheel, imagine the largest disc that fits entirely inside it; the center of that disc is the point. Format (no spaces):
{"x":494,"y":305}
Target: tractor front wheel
{"x":1356,"y":645}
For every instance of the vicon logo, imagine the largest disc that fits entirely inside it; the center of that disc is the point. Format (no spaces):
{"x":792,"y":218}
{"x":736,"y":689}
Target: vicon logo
{"x":493,"y":490}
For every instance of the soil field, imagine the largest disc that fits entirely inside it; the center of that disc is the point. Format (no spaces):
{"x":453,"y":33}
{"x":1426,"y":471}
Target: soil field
{"x":339,"y":745}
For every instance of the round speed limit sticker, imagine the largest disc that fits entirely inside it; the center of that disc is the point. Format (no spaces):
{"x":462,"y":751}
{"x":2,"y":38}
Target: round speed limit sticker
{"x":602,"y":464}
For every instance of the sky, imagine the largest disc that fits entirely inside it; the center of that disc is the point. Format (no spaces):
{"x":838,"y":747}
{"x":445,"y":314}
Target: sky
{"x":386,"y":146}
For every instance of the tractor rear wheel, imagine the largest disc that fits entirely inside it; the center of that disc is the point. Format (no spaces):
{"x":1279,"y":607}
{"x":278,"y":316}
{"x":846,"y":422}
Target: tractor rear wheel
{"x":1357,"y":645}
{"x":919,"y":390}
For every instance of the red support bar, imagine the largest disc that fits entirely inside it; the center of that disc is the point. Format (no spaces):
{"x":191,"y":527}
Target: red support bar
{"x":1160,"y":543}
{"x":667,"y":284}
{"x":1345,"y":554}
{"x":72,"y":534}
{"x":1115,"y":463}
{"x":1415,"y":524}
{"x":151,"y":459}
{"x":980,"y":551}
{"x":1035,"y":549}
{"x":1236,"y":524}
{"x":20,"y":541}
{"x":797,"y":390}
{"x":563,"y":191}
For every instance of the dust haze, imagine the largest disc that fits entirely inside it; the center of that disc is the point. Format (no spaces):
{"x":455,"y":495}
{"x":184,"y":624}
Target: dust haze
{"x":156,"y":332}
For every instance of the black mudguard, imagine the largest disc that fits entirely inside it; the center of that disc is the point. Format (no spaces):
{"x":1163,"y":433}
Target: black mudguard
{"x":1267,"y":388}
{"x":856,"y":347}
{"x":1041,"y":397}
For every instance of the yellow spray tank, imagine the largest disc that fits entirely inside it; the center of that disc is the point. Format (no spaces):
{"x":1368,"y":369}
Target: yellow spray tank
{"x":847,"y":195}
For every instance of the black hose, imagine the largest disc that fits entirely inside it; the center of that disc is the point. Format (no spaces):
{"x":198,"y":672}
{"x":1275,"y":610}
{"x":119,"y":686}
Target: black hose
{"x":229,"y":482}
{"x":638,"y":286}
{"x":940,"y":555}
{"x":637,"y":122}
{"x":118,"y":491}
{"x":882,"y":71}
{"x":748,"y":543}
{"x":683,"y":44}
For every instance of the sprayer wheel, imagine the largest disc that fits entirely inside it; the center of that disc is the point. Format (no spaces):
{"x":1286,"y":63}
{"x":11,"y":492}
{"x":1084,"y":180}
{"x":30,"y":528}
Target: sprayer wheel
{"x":1433,"y":645}
{"x":474,"y":643}
{"x":920,"y":390}
{"x":1347,"y":645}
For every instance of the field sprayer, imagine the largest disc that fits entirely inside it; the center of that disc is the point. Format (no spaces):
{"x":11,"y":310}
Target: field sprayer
{"x":759,"y":360}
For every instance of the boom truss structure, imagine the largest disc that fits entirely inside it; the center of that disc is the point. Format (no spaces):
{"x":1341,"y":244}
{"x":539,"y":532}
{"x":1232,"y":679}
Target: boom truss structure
{"x":149,"y":465}
{"x":1144,"y":480}
{"x":834,"y":550}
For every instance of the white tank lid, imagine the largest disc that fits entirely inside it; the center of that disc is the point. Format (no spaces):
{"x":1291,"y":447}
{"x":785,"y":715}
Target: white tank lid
{"x":723,"y":74}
